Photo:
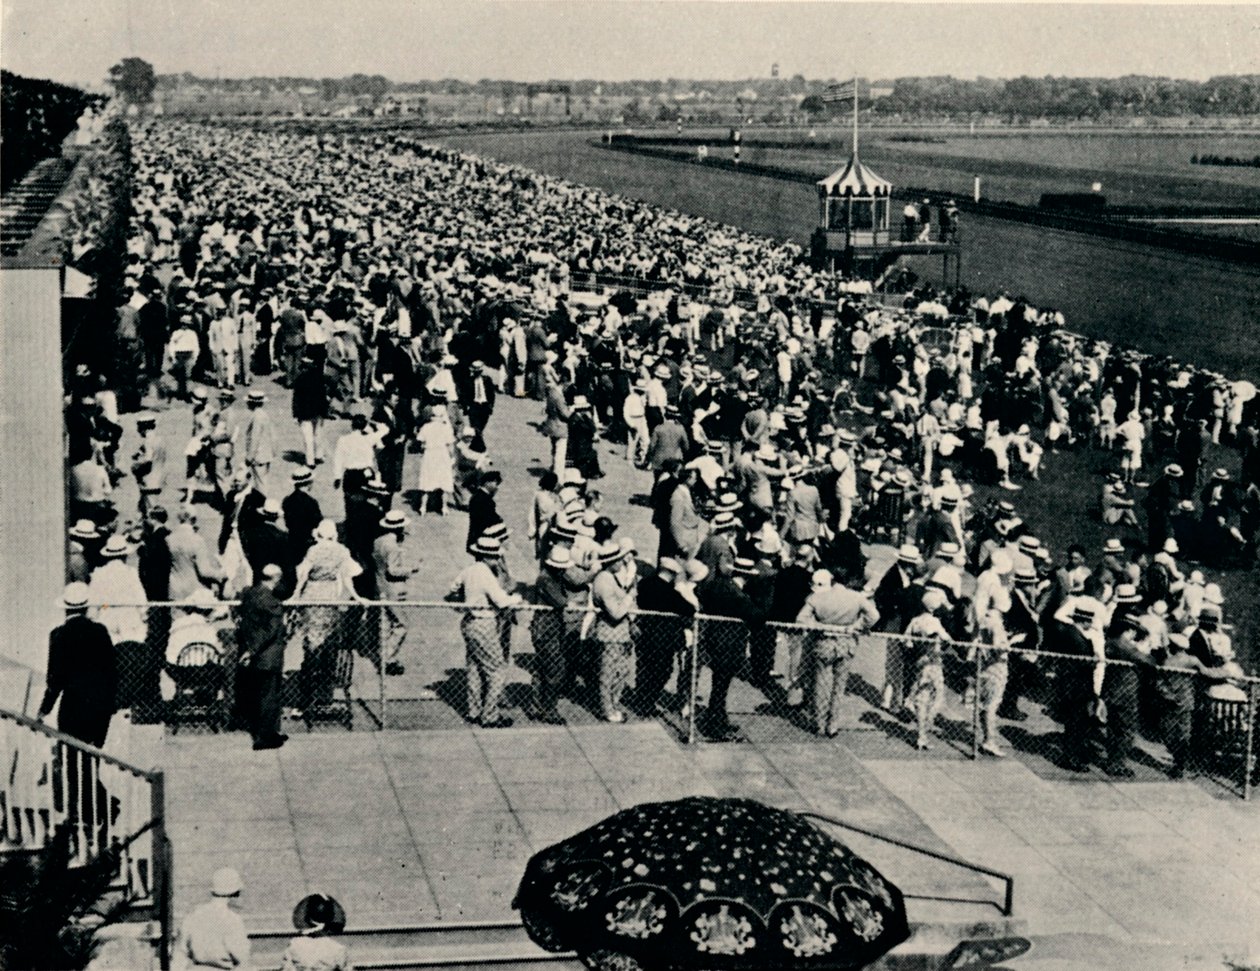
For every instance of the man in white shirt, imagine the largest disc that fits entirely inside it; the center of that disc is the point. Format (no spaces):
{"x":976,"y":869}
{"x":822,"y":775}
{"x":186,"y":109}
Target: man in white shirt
{"x":213,"y":935}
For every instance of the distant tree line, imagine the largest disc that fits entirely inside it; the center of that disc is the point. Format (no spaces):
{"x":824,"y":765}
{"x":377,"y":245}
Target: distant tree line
{"x":38,"y":115}
{"x":1253,"y":162}
{"x":1061,"y":97}
{"x":1022,"y":97}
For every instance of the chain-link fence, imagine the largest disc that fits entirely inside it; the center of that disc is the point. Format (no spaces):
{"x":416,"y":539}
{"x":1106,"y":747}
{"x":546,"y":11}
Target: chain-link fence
{"x":397,"y":665}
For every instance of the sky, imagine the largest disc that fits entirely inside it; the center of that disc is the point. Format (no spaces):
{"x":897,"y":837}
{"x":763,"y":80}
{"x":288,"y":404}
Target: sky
{"x":77,"y":40}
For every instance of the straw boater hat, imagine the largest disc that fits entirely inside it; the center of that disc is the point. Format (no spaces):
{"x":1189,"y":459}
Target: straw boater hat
{"x":909,"y":553}
{"x":745,"y":567}
{"x":609,"y":553}
{"x":395,"y":520}
{"x":84,"y":529}
{"x":255,"y":398}
{"x":564,"y":529}
{"x":722,"y":522}
{"x":115,"y":548}
{"x":487,"y":548}
{"x":303,"y":476}
{"x":1173,"y":471}
{"x":75,"y":596}
{"x":1113,"y":547}
{"x":1126,"y":593}
{"x":559,"y":558}
{"x":226,"y":882}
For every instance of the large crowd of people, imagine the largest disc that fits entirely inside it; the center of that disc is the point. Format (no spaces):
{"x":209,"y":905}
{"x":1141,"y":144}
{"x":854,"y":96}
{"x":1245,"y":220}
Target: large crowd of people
{"x":785,"y":419}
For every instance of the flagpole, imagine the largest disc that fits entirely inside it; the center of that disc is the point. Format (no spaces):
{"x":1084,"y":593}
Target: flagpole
{"x":855,"y":119}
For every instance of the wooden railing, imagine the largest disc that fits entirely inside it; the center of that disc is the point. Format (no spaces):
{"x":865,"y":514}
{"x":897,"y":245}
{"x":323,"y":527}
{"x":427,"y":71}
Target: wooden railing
{"x":49,"y":780}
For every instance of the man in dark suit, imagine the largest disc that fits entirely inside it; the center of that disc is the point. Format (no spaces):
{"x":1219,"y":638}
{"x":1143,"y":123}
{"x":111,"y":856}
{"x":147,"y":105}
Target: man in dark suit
{"x":662,"y":639}
{"x":724,"y":644}
{"x":268,"y":543}
{"x":480,"y":397}
{"x":894,"y":600}
{"x":482,"y":510}
{"x":82,"y":672}
{"x":301,"y":514}
{"x":261,"y":635}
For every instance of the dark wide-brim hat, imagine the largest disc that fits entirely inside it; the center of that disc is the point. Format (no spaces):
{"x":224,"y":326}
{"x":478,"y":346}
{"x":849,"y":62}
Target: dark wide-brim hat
{"x":319,"y":909}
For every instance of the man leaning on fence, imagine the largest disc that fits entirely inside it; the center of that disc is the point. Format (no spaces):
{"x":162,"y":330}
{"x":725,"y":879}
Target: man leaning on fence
{"x":261,"y":636}
{"x":845,"y":613}
{"x":483,"y":596}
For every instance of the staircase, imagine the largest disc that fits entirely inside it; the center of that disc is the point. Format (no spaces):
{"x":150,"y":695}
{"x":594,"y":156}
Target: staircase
{"x":49,"y":781}
{"x":25,"y":204}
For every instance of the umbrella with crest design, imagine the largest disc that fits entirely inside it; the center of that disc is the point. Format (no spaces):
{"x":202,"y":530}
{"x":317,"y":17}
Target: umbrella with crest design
{"x":706,"y":883}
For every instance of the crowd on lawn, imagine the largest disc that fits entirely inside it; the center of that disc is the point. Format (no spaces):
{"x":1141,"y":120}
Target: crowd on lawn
{"x":784,"y":418}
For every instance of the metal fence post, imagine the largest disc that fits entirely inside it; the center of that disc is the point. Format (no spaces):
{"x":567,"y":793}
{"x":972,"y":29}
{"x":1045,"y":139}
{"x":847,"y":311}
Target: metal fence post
{"x":693,"y":689}
{"x":1249,"y":749}
{"x":163,"y":866}
{"x":382,"y":724}
{"x":975,"y":706}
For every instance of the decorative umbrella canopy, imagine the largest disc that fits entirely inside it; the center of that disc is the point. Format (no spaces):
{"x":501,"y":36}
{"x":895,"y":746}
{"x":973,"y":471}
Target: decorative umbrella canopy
{"x":854,"y":179}
{"x":709,"y":883}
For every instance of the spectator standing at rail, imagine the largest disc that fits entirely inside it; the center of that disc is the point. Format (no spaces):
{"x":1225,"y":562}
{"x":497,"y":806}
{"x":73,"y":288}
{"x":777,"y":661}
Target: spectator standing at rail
{"x":612,"y":599}
{"x":82,"y":672}
{"x":479,"y":590}
{"x":724,"y":643}
{"x":261,"y":636}
{"x":393,"y":569}
{"x":909,"y":223}
{"x":845,"y":613}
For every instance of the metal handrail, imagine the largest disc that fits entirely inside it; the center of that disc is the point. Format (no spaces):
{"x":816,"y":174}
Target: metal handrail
{"x":161,"y":859}
{"x":38,"y":726}
{"x":1007,"y":907}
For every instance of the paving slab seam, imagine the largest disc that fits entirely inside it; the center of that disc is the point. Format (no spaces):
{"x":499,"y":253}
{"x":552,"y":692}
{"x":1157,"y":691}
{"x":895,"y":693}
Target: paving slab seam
{"x":503,"y":792}
{"x":415,"y":846}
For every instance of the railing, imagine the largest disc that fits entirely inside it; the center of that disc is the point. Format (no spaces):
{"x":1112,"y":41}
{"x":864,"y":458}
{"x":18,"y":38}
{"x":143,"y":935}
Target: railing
{"x":953,"y":694}
{"x":1007,"y":907}
{"x":51,"y":780}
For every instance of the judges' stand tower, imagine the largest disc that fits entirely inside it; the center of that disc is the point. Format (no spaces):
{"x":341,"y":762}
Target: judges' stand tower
{"x":854,"y":218}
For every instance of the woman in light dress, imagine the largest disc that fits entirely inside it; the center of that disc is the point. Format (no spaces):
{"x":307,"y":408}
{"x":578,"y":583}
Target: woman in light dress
{"x":325,"y":580}
{"x":437,"y":460}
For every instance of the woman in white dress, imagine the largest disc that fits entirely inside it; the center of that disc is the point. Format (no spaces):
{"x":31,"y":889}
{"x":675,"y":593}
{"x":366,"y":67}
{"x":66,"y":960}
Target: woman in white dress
{"x":437,"y":460}
{"x":325,"y":581}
